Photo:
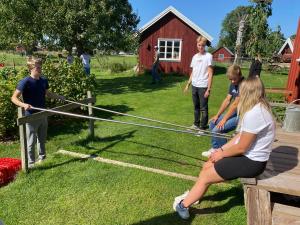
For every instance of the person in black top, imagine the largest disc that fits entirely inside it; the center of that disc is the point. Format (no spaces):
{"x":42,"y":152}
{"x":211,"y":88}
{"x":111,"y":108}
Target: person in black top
{"x":223,"y":123}
{"x":255,"y":67}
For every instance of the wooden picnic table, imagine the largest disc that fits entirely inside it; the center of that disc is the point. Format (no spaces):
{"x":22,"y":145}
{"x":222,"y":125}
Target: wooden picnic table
{"x":282,"y":175}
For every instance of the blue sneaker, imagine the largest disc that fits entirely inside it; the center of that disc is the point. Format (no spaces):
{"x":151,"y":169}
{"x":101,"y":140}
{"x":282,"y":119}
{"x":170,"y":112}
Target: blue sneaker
{"x":182,"y":211}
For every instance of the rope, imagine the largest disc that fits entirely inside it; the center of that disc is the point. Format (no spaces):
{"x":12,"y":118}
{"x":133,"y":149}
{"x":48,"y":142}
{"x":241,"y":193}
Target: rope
{"x":152,"y":120}
{"x":122,"y":122}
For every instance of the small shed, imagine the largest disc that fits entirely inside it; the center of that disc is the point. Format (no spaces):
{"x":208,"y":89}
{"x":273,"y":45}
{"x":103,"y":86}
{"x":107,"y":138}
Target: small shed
{"x":286,"y":50}
{"x":175,"y":35}
{"x":223,"y":54}
{"x":293,"y":84}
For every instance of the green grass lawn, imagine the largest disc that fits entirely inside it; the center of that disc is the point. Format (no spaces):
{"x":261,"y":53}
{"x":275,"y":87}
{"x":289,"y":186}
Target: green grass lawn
{"x":65,"y":190}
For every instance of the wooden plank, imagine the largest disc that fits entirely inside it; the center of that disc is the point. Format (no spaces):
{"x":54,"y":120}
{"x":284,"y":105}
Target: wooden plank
{"x":23,"y":142}
{"x":63,"y":108}
{"x":278,"y":91}
{"x":90,"y":110}
{"x":279,"y":182}
{"x":258,"y":206}
{"x":251,"y":181}
{"x":285,"y":215}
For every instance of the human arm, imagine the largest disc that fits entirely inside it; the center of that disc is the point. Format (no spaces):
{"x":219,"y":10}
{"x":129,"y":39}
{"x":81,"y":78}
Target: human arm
{"x":210,"y":78}
{"x":188,"y":83}
{"x":222,"y":108}
{"x":232,"y":109}
{"x":15,"y":98}
{"x":231,"y":149}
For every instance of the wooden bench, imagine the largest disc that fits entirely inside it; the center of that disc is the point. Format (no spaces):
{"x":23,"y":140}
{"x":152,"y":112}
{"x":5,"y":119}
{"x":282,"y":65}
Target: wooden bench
{"x":282,"y":175}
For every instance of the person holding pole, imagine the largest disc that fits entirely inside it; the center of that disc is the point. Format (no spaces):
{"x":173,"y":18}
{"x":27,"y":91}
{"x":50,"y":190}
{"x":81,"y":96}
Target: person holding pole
{"x":33,"y":89}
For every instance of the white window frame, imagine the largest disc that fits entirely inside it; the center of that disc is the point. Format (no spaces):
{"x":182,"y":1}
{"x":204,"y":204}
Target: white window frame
{"x":165,"y":53}
{"x":221,"y":56}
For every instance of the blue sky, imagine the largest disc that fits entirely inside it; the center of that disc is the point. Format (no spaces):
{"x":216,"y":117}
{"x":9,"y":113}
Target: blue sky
{"x":209,"y":14}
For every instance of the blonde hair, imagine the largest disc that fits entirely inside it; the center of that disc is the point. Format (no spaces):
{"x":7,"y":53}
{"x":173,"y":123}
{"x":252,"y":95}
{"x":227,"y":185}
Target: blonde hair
{"x":252,"y":92}
{"x":202,"y":40}
{"x":234,"y":71}
{"x":33,"y":62}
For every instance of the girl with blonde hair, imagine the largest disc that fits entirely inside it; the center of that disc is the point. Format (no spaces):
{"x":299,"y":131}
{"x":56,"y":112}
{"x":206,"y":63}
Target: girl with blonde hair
{"x":246,"y":154}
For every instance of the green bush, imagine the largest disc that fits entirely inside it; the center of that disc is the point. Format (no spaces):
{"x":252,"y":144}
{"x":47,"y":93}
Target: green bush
{"x":119,"y":67}
{"x":64,"y":79}
{"x":8,"y":111}
{"x":68,"y":80}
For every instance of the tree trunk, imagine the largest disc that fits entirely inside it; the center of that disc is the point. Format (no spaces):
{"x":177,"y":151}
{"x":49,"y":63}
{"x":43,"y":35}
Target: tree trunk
{"x":239,"y":40}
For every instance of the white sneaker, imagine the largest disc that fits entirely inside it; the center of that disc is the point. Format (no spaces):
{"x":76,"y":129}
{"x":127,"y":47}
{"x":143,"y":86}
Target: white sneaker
{"x":193,"y":128}
{"x":208,"y":153}
{"x":179,"y":198}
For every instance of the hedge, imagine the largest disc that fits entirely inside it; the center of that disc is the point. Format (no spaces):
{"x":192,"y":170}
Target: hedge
{"x":65,"y":79}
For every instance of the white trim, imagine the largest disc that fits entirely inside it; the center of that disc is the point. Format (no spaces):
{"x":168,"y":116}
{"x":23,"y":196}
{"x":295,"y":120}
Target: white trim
{"x":171,"y":40}
{"x":289,"y":42}
{"x":179,"y":15}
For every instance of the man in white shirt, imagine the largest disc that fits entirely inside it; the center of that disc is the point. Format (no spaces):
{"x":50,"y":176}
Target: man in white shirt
{"x":201,"y":80}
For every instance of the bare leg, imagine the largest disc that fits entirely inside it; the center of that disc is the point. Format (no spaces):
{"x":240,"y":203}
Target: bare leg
{"x":208,"y":176}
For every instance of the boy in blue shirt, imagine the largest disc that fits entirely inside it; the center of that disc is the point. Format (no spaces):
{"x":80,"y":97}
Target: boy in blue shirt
{"x":34,"y":89}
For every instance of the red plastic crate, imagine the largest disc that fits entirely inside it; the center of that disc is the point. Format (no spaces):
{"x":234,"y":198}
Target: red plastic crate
{"x":8,"y":169}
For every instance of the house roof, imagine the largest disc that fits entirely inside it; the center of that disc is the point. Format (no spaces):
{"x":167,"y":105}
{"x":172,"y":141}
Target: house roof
{"x":227,"y":49}
{"x":289,"y":42}
{"x":180,"y":16}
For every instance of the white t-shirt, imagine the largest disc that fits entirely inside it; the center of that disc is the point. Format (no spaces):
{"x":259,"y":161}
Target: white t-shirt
{"x":260,"y":122}
{"x":200,"y":64}
{"x":85,"y":58}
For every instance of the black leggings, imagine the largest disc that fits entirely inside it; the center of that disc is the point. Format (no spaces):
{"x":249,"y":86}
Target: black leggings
{"x":239,"y":166}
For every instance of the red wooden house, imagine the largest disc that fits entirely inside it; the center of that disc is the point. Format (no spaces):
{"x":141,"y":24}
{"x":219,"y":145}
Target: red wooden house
{"x":223,"y":54}
{"x":293,"y":84}
{"x":286,"y":50}
{"x":175,"y":35}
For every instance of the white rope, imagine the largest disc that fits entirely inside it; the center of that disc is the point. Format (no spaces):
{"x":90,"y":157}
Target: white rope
{"x":122,"y":122}
{"x":152,"y":120}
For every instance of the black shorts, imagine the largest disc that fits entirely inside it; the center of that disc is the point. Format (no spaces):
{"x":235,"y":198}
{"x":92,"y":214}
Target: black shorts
{"x":239,"y":166}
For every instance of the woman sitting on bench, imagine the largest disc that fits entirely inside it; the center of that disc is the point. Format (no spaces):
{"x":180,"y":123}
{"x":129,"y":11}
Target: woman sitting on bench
{"x":246,"y":154}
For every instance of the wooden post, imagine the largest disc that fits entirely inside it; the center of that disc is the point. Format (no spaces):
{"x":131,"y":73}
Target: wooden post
{"x":23,"y":141}
{"x":91,"y":125}
{"x":258,"y":205}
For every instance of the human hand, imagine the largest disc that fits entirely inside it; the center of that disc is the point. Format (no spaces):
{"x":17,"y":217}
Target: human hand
{"x":26,"y":106}
{"x":186,"y":89}
{"x":221,"y":124}
{"x":214,"y":119}
{"x":216,"y":156}
{"x":206,"y":94}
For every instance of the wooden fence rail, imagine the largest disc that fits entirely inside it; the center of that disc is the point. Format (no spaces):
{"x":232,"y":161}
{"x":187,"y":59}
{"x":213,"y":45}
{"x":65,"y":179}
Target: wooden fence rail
{"x":22,"y":120}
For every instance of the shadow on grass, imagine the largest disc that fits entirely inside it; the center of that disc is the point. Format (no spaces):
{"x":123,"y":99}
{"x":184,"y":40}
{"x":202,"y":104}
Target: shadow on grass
{"x":234,"y":194}
{"x":54,"y":165}
{"x":60,"y":125}
{"x":167,"y":219}
{"x":114,"y":140}
{"x":219,"y":70}
{"x":141,"y":83}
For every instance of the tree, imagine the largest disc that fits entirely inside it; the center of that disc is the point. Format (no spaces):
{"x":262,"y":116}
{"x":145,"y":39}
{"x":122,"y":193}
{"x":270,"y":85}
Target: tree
{"x":275,"y":41}
{"x":84,"y":24}
{"x":257,"y":41}
{"x":230,"y":26}
{"x":20,"y":22}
